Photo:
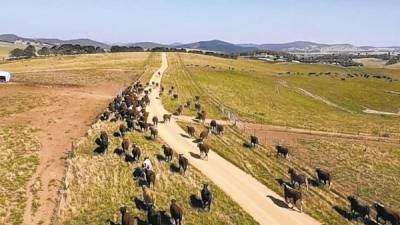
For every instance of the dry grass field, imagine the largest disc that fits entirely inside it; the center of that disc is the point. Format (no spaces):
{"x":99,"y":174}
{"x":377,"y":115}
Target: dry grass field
{"x":253,"y":89}
{"x":49,"y":103}
{"x":353,"y":164}
{"x":268,"y":93}
{"x":97,"y":186}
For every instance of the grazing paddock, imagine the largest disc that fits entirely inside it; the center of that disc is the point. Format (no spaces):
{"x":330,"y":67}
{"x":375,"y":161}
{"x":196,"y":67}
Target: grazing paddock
{"x":81,"y":70}
{"x":177,"y":76}
{"x":368,"y":170}
{"x":97,"y":186}
{"x":259,"y":92}
{"x":52,"y":101}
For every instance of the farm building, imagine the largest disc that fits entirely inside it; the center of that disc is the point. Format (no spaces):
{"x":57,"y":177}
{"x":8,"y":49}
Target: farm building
{"x":5,"y":76}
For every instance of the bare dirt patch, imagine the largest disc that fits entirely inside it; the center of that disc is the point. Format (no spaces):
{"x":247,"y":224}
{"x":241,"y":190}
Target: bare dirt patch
{"x":58,"y":115}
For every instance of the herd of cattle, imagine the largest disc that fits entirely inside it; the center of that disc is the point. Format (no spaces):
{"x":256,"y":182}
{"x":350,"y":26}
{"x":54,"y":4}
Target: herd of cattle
{"x":129,"y":108}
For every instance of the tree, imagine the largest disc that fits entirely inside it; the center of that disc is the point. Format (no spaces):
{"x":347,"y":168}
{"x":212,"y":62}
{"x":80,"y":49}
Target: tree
{"x":44,"y":51}
{"x":30,"y":51}
{"x":17,"y":53}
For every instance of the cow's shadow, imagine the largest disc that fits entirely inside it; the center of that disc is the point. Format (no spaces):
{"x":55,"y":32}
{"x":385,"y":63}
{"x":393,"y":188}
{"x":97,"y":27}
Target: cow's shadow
{"x":279,"y":202}
{"x":195,"y":155}
{"x":195,"y":202}
{"x":160,"y":157}
{"x":175,"y":169}
{"x":185,"y":135}
{"x":139,"y":204}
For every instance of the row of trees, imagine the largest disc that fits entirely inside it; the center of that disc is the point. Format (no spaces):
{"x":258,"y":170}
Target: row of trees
{"x":117,"y":48}
{"x":65,"y":49}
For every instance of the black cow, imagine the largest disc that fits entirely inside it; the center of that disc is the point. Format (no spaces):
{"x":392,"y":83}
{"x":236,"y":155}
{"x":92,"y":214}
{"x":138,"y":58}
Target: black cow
{"x":206,"y":197}
{"x":357,"y":207}
{"x":296,"y":196}
{"x":323,"y":176}
{"x":153,"y":217}
{"x":386,"y":214}
{"x":253,"y":141}
{"x":168,"y":153}
{"x":282,"y":151}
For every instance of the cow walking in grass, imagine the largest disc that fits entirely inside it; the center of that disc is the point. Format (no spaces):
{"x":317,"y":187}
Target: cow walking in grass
{"x":386,"y":214}
{"x":206,"y":197}
{"x":168,"y":153}
{"x":183,"y":164}
{"x":126,"y":218}
{"x":323,"y":176}
{"x":358,"y":209}
{"x":176,"y":212}
{"x":253,"y":141}
{"x":297,"y":178}
{"x":282,"y":151}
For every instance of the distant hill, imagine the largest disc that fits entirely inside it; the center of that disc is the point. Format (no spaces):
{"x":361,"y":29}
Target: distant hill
{"x":147,"y":45}
{"x":306,"y":46}
{"x":216,"y":45}
{"x":81,"y":41}
{"x":51,"y":41}
{"x":13,"y":38}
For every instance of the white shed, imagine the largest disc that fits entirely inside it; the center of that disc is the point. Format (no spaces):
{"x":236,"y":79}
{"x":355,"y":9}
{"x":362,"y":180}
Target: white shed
{"x":5,"y":76}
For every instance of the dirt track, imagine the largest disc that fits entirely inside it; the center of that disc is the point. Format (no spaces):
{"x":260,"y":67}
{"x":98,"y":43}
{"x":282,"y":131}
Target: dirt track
{"x":255,"y":198}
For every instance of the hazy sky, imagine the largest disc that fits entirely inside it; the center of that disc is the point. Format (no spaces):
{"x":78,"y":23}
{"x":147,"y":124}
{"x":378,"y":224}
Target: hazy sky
{"x":360,"y":22}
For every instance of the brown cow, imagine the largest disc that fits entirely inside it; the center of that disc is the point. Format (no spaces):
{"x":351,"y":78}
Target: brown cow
{"x":125,"y":145}
{"x":204,"y":134}
{"x":167,"y":118}
{"x":176,"y":212}
{"x":297,"y":177}
{"x":126,"y":218}
{"x":153,"y":133}
{"x":155,"y":121}
{"x":204,"y":149}
{"x":183,"y":163}
{"x":190,"y":131}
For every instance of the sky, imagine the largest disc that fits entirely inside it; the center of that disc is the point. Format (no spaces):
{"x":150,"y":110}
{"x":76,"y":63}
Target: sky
{"x":359,"y":22}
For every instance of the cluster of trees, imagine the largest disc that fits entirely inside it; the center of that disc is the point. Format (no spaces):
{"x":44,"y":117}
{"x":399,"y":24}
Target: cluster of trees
{"x":70,"y":49}
{"x":28,"y":52}
{"x":166,"y":49}
{"x":393,"y":60}
{"x":117,"y":48}
{"x":65,"y":49}
{"x":343,"y":60}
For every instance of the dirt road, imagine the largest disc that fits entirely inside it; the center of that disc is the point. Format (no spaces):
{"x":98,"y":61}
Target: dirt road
{"x":255,"y":198}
